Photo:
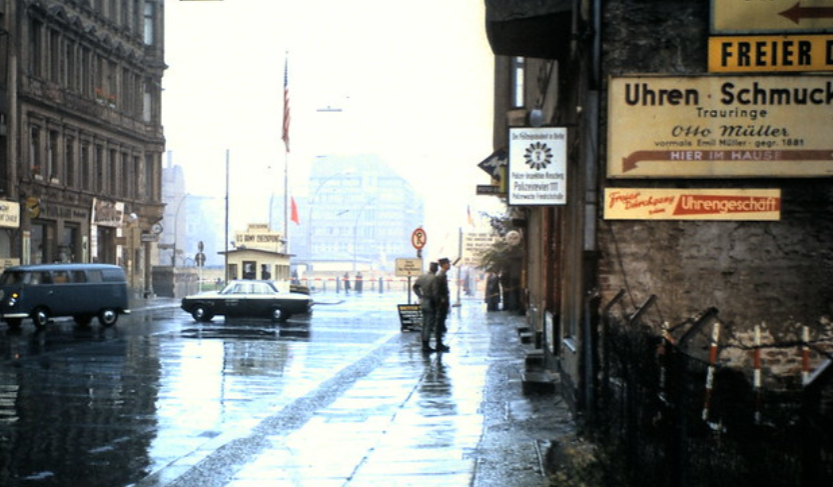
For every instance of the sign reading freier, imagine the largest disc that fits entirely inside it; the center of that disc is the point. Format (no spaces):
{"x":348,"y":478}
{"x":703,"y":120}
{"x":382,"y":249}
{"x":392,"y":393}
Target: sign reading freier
{"x":537,"y":166}
{"x":720,"y":126}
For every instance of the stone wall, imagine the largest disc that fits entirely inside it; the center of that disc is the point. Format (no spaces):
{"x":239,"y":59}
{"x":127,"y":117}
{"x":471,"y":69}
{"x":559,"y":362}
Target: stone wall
{"x":778,"y":273}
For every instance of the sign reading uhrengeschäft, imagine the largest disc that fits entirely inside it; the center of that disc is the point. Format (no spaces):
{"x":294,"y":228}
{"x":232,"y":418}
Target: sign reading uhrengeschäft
{"x":692,"y":204}
{"x":720,"y":126}
{"x":537,"y":166}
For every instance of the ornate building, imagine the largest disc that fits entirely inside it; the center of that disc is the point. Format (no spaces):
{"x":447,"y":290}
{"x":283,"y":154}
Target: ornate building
{"x":81,"y":137}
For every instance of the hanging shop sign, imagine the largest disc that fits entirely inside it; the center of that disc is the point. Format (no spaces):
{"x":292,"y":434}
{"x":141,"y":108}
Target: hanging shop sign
{"x":773,"y":16}
{"x":751,"y":54}
{"x":720,"y":126}
{"x":692,"y":204}
{"x":108,"y":213}
{"x":9,"y":214}
{"x":537,"y":166}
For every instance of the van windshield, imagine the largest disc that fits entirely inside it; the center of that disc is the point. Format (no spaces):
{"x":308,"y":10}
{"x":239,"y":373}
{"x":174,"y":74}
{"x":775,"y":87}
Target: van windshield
{"x":12,"y":278}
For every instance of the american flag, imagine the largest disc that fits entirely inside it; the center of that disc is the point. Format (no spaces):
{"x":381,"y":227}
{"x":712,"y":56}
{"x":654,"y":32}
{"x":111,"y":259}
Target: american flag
{"x":286,"y":114}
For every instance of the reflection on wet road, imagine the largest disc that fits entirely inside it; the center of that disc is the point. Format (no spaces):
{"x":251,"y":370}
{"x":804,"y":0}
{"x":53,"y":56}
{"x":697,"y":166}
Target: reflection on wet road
{"x":95,"y":407}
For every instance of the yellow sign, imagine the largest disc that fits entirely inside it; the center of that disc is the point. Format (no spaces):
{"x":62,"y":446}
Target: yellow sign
{"x":692,"y":204}
{"x":737,"y":54}
{"x":720,"y":126}
{"x":771,"y":16}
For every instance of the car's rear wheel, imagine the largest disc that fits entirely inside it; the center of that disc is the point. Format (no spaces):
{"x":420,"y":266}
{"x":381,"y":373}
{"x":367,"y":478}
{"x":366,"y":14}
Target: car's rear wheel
{"x":200,"y":313}
{"x":40,"y":317}
{"x":108,"y":317}
{"x":279,"y":314}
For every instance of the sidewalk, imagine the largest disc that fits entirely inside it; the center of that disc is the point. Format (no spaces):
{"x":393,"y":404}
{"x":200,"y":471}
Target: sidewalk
{"x":456,"y":419}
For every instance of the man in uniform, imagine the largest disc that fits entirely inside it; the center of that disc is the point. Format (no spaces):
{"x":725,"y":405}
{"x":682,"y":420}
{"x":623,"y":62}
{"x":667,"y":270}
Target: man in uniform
{"x":422,"y":288}
{"x":442,"y":299}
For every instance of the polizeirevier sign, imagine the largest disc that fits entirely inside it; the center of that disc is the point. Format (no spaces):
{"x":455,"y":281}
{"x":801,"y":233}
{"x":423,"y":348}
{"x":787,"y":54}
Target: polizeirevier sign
{"x":720,"y":126}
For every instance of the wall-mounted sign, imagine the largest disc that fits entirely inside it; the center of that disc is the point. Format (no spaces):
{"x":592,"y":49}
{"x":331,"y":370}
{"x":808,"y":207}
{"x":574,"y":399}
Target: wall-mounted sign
{"x":773,"y":16}
{"x":475,"y":244}
{"x":9,"y":214}
{"x":739,"y":54}
{"x":537,"y":166}
{"x":720,"y":126}
{"x":692,"y":204}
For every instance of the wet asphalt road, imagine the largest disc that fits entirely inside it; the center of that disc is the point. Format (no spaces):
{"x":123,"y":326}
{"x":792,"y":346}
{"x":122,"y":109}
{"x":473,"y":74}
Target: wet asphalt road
{"x":339,"y":398}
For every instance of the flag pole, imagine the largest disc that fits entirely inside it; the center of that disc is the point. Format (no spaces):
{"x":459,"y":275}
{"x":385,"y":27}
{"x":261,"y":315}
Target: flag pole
{"x":285,"y":137}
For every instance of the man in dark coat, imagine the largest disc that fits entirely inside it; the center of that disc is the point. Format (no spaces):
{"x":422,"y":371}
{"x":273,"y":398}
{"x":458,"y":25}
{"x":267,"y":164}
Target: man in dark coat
{"x":442,"y":299}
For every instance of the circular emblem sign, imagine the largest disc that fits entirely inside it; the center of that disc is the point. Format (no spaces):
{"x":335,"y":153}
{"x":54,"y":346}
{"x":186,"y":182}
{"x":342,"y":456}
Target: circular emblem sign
{"x":419,"y":238}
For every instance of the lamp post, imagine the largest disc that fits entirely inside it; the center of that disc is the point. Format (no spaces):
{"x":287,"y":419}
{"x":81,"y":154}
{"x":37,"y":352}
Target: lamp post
{"x":356,"y":232}
{"x":312,"y":205}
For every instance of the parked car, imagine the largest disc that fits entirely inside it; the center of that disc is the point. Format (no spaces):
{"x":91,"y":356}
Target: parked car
{"x":44,"y":291}
{"x":247,"y":299}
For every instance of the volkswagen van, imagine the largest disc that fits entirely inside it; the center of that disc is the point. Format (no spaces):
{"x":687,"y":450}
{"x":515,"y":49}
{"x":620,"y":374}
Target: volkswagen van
{"x":82,"y":291}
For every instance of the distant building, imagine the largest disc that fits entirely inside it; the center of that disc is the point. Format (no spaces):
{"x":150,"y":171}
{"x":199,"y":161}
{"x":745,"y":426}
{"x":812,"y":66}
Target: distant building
{"x":358,"y":216}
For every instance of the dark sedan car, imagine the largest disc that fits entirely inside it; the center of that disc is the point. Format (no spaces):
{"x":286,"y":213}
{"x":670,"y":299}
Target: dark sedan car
{"x":247,"y":299}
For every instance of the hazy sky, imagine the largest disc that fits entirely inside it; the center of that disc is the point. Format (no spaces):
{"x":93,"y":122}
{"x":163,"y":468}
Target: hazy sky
{"x":413,"y":80}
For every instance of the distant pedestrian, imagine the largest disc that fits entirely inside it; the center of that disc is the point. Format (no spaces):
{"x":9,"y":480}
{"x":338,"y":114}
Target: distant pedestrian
{"x":442,"y":300}
{"x":346,"y":283}
{"x":423,"y":290}
{"x":492,"y":292}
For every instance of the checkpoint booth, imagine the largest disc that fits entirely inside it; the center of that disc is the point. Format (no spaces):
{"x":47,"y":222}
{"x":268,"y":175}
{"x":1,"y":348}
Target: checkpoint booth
{"x":246,"y":263}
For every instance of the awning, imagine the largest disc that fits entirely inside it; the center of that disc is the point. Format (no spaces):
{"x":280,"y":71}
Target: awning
{"x":530,"y":28}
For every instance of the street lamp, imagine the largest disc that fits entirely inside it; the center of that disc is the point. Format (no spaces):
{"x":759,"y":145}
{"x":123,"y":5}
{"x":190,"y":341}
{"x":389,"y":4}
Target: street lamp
{"x":176,"y":225}
{"x":356,"y":231}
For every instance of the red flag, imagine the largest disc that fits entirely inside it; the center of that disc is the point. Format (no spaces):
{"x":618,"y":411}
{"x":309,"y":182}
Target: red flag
{"x":295,"y":212}
{"x":286,"y":114}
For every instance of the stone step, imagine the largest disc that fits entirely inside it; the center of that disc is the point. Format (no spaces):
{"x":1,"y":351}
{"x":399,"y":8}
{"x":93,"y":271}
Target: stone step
{"x":540,"y":381}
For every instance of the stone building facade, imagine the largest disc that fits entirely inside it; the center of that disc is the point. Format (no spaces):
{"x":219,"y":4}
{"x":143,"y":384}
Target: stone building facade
{"x":83,"y":138}
{"x":557,"y":61}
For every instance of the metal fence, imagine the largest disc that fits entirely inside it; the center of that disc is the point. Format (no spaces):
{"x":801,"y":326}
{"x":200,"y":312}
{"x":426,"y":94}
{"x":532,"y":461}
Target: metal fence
{"x":665,"y":416}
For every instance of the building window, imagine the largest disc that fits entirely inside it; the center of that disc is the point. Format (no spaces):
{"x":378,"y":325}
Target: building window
{"x":150,"y":183}
{"x":55,"y":56}
{"x":100,"y":181}
{"x":34,"y":151}
{"x":69,"y":165}
{"x":35,"y":47}
{"x":52,"y":170}
{"x":113,"y":166}
{"x":518,"y":82}
{"x":150,"y":33}
{"x":84,"y":170}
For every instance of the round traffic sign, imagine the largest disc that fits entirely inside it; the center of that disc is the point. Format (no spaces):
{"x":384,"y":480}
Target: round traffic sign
{"x":419,"y":238}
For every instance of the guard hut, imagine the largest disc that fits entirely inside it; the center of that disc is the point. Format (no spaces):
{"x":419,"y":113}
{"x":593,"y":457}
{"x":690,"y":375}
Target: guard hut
{"x":258,"y":254}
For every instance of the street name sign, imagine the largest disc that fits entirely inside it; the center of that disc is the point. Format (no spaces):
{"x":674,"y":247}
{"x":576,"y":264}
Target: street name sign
{"x":771,"y":16}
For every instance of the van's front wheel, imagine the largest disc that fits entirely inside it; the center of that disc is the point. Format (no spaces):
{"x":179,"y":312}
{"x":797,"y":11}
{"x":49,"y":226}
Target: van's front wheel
{"x":40,"y":317}
{"x":14,"y":323}
{"x":108,"y":317}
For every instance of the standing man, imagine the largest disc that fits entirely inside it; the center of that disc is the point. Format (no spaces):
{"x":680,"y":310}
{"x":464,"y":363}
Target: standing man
{"x":442,"y":299}
{"x":422,"y":288}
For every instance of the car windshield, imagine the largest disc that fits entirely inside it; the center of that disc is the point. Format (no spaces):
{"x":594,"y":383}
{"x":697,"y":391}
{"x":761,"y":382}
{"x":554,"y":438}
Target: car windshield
{"x":249,"y":288}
